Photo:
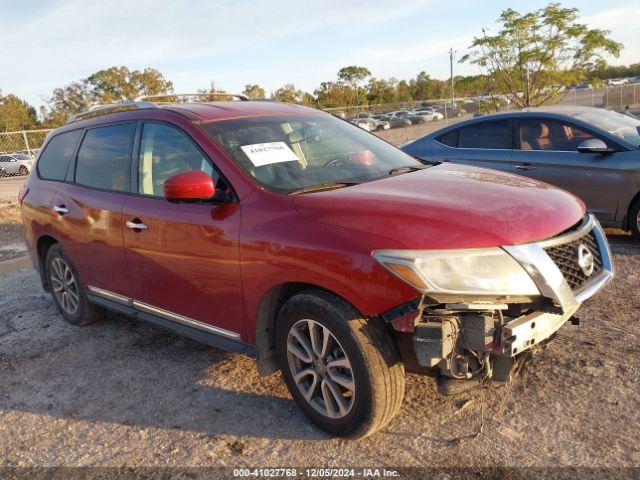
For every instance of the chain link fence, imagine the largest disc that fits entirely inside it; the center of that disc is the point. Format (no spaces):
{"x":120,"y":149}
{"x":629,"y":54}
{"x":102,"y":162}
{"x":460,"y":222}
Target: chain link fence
{"x":18,"y":150}
{"x":398,"y":123}
{"x":402,"y":122}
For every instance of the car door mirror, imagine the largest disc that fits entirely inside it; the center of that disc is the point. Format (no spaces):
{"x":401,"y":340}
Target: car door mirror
{"x":191,"y":186}
{"x":593,"y":145}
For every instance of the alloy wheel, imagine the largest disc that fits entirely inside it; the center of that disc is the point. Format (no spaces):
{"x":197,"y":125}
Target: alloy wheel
{"x":320,"y":368}
{"x":64,"y":285}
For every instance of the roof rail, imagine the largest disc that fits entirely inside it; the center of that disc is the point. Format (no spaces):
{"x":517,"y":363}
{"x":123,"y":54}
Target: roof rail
{"x":96,"y":110}
{"x":239,"y":96}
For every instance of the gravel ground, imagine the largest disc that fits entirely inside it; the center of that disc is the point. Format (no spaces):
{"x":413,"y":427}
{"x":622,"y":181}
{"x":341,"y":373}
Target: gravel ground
{"x":121,"y":393}
{"x":9,"y":188}
{"x":11,"y":233}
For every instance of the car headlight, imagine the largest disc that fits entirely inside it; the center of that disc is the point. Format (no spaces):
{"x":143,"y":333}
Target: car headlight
{"x":481,"y":271}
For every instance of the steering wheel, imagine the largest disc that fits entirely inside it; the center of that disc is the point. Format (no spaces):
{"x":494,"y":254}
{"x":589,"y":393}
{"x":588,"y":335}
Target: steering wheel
{"x":335,"y":162}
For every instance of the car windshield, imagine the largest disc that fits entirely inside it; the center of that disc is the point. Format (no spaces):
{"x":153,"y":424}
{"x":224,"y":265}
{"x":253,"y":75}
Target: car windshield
{"x":622,"y":126}
{"x":290,"y":153}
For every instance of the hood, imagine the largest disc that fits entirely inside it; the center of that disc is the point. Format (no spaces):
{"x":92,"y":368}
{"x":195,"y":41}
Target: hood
{"x":447,"y":206}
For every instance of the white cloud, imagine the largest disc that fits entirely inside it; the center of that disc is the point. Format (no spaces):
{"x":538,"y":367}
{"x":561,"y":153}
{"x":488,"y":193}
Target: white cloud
{"x":72,"y":38}
{"x":622,"y":21}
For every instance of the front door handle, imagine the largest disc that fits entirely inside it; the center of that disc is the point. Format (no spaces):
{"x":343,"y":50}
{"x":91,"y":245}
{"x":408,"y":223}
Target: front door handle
{"x":61,"y":210}
{"x":136,"y":224}
{"x":526,"y":166}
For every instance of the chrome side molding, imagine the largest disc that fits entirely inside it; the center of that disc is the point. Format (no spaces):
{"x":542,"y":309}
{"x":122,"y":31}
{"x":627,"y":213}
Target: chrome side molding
{"x":160,"y":312}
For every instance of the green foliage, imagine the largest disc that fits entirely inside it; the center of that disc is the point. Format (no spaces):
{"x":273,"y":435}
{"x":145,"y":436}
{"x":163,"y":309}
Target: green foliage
{"x":119,"y":84}
{"x":16,"y":114}
{"x":112,"y":85}
{"x":535,"y":55}
{"x":288,"y":93}
{"x":254,"y":91}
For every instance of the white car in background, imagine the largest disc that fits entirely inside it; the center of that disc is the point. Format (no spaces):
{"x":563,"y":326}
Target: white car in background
{"x":371,"y":124}
{"x":15,"y":164}
{"x":428,"y":115}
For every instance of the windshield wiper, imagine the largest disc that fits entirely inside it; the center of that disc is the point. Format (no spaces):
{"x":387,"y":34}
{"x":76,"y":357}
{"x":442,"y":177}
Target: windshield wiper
{"x":399,"y":170}
{"x":322,"y":186}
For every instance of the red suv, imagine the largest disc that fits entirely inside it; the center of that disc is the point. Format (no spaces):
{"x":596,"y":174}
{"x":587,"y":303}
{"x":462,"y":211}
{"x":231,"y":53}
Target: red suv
{"x":284,"y":233}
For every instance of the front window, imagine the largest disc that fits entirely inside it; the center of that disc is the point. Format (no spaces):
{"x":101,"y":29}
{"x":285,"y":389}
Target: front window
{"x":292,"y":152}
{"x":622,"y":126}
{"x":545,"y":134}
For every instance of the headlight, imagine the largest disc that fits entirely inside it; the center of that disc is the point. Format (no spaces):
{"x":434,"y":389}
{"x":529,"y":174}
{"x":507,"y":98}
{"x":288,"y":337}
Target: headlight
{"x":482,"y":271}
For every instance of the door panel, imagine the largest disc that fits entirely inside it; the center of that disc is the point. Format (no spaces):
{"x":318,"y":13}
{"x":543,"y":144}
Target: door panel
{"x":549,"y":153}
{"x":91,"y":233}
{"x":496,"y":159}
{"x":187,"y":260}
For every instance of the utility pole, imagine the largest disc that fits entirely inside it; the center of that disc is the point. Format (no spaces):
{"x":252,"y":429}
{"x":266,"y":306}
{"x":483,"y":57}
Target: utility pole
{"x":453,"y":95}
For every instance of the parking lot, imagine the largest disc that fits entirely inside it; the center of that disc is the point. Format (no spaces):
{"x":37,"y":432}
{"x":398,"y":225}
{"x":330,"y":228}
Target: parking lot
{"x":122,"y":393}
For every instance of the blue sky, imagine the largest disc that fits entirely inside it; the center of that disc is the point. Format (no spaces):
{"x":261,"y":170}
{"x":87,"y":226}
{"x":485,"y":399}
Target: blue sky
{"x":51,"y":43}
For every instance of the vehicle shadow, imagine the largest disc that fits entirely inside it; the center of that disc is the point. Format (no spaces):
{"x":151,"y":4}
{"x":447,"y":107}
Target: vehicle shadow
{"x":129,"y":373}
{"x":622,"y":242}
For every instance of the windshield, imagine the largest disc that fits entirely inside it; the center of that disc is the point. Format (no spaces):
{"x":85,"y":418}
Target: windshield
{"x":287,"y":153}
{"x":617,"y":124}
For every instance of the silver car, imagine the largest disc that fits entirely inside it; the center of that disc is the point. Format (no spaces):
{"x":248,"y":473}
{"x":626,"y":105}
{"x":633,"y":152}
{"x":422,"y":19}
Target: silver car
{"x":15,"y":164}
{"x":591,"y":152}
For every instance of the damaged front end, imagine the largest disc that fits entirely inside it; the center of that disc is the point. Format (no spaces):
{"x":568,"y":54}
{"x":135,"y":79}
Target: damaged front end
{"x":482,"y":311}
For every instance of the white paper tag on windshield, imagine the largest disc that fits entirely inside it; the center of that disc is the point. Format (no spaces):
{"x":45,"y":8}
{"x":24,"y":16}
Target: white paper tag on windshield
{"x":262,"y":154}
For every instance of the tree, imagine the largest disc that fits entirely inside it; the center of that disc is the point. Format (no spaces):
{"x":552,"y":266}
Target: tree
{"x":288,"y":93}
{"x":353,"y":76}
{"x":423,"y":87}
{"x":68,"y":100}
{"x":254,"y":91}
{"x":332,"y":95}
{"x":111,"y":85}
{"x":16,"y":114}
{"x":118,"y":84}
{"x":535,"y":55}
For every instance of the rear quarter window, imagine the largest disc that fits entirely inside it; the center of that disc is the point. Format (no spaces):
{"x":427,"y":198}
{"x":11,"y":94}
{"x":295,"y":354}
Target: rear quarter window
{"x":54,"y":161}
{"x":104,"y":158}
{"x":450,"y":139}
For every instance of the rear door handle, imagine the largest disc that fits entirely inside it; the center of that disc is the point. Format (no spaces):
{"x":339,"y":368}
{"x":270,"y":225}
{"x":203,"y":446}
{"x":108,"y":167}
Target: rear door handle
{"x":136,"y":224}
{"x":526,"y":166}
{"x":61,"y":209}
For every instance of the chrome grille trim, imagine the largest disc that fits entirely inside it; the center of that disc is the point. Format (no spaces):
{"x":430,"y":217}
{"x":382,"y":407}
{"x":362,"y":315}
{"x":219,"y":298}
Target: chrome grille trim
{"x":585,"y":227}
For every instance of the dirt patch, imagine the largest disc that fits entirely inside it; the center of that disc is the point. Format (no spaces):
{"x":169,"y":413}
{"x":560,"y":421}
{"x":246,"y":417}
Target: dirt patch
{"x":11,"y":233}
{"x":122,"y":393}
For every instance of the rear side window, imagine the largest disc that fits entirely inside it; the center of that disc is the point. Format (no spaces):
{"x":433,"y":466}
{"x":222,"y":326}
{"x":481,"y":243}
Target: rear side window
{"x":104,"y":158}
{"x":56,"y":157}
{"x":494,"y":135}
{"x":450,"y":139}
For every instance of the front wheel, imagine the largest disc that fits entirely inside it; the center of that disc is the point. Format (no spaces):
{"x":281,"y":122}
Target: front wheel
{"x":23,"y":170}
{"x":634,"y":219}
{"x":343,"y":371}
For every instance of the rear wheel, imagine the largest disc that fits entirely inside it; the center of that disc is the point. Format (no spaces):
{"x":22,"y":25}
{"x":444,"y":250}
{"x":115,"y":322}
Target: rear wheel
{"x":342,"y":371}
{"x":634,"y":219}
{"x":68,"y":292}
{"x":23,"y":170}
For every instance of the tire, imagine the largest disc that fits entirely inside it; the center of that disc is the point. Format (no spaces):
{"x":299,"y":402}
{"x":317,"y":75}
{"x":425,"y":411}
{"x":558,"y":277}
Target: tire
{"x":23,"y":170}
{"x":68,"y":291}
{"x":634,"y":219}
{"x":375,"y":372}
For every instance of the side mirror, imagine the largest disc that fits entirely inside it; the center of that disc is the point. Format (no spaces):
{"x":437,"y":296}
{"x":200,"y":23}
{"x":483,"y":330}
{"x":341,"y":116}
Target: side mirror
{"x":190,"y":186}
{"x":593,"y":145}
